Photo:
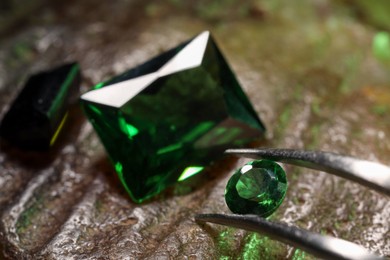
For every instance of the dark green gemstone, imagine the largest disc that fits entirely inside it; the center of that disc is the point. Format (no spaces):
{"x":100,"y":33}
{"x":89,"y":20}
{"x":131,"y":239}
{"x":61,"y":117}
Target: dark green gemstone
{"x":38,"y":114}
{"x":257,"y":188}
{"x":165,"y":120}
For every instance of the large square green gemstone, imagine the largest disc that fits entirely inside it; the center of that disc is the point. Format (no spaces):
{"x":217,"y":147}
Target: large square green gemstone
{"x":167,"y":119}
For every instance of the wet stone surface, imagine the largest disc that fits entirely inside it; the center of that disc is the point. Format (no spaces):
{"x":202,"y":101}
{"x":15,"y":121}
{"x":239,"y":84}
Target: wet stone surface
{"x":314,"y":81}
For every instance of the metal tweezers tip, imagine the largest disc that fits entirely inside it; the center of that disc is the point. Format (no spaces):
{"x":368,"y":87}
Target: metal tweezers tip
{"x":326,"y":247}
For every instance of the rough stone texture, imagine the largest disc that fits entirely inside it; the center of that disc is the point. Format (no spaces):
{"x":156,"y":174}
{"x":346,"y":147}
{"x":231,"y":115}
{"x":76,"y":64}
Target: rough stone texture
{"x":309,"y":70}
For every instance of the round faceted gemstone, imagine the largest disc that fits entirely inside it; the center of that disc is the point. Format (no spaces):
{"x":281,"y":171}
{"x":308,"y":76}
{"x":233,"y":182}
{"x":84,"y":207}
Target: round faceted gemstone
{"x":257,"y":188}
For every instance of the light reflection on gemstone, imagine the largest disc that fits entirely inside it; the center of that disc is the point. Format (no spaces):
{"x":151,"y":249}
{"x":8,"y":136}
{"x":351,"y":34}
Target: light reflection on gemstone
{"x":190,"y":171}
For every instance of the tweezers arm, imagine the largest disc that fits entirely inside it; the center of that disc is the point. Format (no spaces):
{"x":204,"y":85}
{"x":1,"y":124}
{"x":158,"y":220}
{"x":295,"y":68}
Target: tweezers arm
{"x":321,"y":246}
{"x":371,"y":174}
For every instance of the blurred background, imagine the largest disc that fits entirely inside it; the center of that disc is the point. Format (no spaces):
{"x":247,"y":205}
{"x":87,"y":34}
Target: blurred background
{"x":317,"y":73}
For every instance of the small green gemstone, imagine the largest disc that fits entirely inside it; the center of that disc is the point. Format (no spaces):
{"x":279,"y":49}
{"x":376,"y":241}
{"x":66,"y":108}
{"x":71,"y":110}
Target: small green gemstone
{"x":257,"y":188}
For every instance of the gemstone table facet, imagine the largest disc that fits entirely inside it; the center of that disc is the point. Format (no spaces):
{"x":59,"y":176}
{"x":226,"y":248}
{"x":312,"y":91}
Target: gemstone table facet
{"x":38,"y":114}
{"x":258,"y":188}
{"x":168,"y":118}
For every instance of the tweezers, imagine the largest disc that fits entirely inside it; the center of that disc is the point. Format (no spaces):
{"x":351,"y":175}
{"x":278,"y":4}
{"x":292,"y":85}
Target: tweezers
{"x":370,"y":174}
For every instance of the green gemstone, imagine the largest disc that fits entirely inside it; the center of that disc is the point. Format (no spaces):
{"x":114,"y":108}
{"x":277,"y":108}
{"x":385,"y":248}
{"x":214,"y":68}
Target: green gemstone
{"x":257,"y":188}
{"x":165,"y":120}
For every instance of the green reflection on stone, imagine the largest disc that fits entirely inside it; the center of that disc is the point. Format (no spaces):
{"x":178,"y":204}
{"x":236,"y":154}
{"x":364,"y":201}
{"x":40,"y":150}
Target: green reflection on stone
{"x":227,"y":244}
{"x":299,"y":255}
{"x":381,"y":46}
{"x":252,"y":246}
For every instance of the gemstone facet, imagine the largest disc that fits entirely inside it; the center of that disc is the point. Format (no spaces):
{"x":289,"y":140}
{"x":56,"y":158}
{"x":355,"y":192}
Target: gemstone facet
{"x":38,"y":114}
{"x":166,"y":119}
{"x":257,"y":188}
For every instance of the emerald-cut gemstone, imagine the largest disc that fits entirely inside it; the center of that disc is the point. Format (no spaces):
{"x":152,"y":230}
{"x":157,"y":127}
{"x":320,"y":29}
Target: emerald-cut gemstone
{"x":39,"y":112}
{"x":257,"y":188}
{"x":165,"y":120}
